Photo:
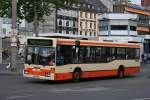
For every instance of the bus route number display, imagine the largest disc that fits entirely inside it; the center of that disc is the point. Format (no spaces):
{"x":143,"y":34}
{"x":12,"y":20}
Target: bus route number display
{"x":40,"y":42}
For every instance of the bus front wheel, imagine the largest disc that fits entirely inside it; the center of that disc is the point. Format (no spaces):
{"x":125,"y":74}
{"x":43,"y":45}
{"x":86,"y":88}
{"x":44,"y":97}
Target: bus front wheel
{"x":121,"y":72}
{"x":77,"y":75}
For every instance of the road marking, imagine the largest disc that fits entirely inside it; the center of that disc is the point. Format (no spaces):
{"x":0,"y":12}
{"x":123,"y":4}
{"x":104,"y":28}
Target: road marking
{"x":80,"y":90}
{"x":19,"y":96}
{"x":143,"y":99}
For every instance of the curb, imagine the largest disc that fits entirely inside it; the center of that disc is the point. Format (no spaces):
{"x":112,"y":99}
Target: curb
{"x":9,"y":72}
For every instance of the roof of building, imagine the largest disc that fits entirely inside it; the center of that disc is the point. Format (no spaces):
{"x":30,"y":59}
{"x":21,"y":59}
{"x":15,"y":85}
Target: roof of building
{"x":99,"y":6}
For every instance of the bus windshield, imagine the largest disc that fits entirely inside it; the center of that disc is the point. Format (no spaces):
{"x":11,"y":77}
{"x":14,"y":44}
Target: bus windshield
{"x":40,"y":55}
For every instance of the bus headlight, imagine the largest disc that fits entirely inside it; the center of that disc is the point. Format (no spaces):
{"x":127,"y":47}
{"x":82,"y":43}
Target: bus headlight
{"x":47,"y":74}
{"x":26,"y":72}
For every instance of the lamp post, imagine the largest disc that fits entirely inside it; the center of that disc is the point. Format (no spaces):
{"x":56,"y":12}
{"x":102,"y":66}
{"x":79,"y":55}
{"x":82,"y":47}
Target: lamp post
{"x":14,"y":36}
{"x":1,"y":33}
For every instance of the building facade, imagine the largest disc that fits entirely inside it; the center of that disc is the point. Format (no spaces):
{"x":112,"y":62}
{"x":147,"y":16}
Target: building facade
{"x":145,"y":3}
{"x":119,"y":27}
{"x":49,"y":23}
{"x":80,"y":20}
{"x":67,"y":21}
{"x":143,"y":25}
{"x":89,"y":10}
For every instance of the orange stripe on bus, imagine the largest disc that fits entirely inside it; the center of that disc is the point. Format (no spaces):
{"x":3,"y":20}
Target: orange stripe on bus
{"x":85,"y":74}
{"x":63,"y":76}
{"x":99,"y":73}
{"x":109,"y":44}
{"x":131,"y":70}
{"x":63,"y":42}
{"x":92,"y":74}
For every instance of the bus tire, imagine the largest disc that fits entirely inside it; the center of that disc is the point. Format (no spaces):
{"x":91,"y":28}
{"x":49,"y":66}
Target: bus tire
{"x":77,"y":75}
{"x":121,"y":72}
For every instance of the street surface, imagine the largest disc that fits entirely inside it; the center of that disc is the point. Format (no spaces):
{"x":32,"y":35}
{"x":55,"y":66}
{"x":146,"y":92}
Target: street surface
{"x":135,"y":87}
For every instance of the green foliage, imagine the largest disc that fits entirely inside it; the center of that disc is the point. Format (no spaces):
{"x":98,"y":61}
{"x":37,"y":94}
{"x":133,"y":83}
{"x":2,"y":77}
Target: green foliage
{"x":25,"y":8}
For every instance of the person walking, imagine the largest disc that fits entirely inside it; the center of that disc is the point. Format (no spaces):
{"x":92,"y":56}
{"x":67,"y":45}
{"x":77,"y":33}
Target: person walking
{"x":148,"y":57}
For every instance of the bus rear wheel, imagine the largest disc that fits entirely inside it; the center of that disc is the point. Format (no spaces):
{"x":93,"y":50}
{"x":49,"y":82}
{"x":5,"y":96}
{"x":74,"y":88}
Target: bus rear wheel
{"x":77,"y":76}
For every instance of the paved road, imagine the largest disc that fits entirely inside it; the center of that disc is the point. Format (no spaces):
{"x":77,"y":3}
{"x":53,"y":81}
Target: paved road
{"x":136,"y":87}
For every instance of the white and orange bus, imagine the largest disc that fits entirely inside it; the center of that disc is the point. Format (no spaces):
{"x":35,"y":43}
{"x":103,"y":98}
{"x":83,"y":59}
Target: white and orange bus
{"x":69,"y":59}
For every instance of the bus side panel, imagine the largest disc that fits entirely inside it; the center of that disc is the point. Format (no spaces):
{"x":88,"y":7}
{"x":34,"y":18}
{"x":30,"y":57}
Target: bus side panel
{"x":92,"y":74}
{"x":63,"y":76}
{"x":132,"y":70}
{"x":97,"y":70}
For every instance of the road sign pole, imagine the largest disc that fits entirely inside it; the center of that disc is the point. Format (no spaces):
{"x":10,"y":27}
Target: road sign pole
{"x":14,"y":36}
{"x":1,"y":33}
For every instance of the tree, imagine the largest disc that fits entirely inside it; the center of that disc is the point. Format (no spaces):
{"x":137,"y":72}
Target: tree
{"x":33,"y":10}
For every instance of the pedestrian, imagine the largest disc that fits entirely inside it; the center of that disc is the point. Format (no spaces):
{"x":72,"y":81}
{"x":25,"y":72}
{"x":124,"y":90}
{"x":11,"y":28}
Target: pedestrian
{"x":148,"y":57}
{"x":142,"y":58}
{"x":145,"y":58}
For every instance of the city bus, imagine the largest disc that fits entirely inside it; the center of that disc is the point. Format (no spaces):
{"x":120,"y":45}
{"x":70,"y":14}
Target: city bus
{"x":71,"y":59}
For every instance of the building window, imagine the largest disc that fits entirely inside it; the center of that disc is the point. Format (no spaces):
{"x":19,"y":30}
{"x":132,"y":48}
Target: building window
{"x":4,"y":30}
{"x":90,"y":33}
{"x":80,"y":32}
{"x":74,"y":32}
{"x":91,"y":25}
{"x":74,"y":24}
{"x":94,"y":25}
{"x":86,"y":24}
{"x":94,"y":16}
{"x":132,"y":28}
{"x":60,"y":22}
{"x":67,"y":23}
{"x":81,"y":25}
{"x":67,"y":31}
{"x":93,"y":7}
{"x":85,"y":33}
{"x":94,"y":33}
{"x":60,"y":31}
{"x":86,"y":14}
{"x":119,"y":27}
{"x":90,"y":15}
{"x":84,"y":5}
{"x":89,"y":6}
{"x":79,"y":4}
{"x":81,"y":14}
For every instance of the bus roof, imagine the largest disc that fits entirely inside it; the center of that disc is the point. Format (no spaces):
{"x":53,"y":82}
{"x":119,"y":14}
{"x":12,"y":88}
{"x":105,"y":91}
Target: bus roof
{"x":61,"y":41}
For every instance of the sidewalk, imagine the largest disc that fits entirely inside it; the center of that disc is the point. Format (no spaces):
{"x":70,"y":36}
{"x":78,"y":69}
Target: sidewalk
{"x":145,"y":65}
{"x":5,"y":71}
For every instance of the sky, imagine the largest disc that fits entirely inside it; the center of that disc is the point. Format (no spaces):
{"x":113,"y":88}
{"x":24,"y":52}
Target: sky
{"x":136,"y":2}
